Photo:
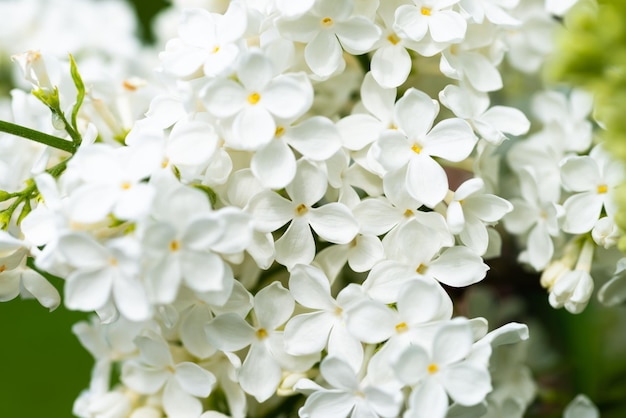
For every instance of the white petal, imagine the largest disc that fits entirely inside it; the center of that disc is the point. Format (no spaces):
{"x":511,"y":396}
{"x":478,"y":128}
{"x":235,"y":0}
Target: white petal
{"x":582,"y":212}
{"x":357,"y":35}
{"x":229,"y":332}
{"x":371,"y":322}
{"x":412,"y":365}
{"x":308,"y":185}
{"x":40,"y":288}
{"x":307,"y":333}
{"x":447,"y":26}
{"x":334,"y":222}
{"x":458,"y":267}
{"x":288,"y":96}
{"x":480,"y":72}
{"x":451,"y":139}
{"x":271,"y":211}
{"x":316,"y":138}
{"x":428,"y":400}
{"x":253,"y":127}
{"x":415,"y":112}
{"x":273,"y":306}
{"x":177,"y":403}
{"x":296,"y":246}
{"x":260,"y":373}
{"x":466,"y":383}
{"x":194,"y":380}
{"x":202,"y":272}
{"x":131,"y":299}
{"x":310,"y":287}
{"x":452,"y":343}
{"x":426,"y":181}
{"x":88,"y":291}
{"x":339,"y":374}
{"x":506,"y":119}
{"x":323,"y":54}
{"x":409,"y":21}
{"x":391,"y":65}
{"x":367,"y":252}
{"x":580,"y":174}
{"x":223,"y":98}
{"x":254,"y":71}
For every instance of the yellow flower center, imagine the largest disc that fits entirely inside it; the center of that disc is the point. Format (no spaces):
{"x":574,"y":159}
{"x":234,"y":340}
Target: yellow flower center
{"x":126,"y":185}
{"x":254,"y":98}
{"x":174,"y":245}
{"x":426,"y":11}
{"x":279,"y":131}
{"x":402,"y":327}
{"x":416,"y":148}
{"x":301,"y":209}
{"x":408,"y":213}
{"x":393,"y":38}
{"x":432,"y":368}
{"x":421,"y":269}
{"x":3,"y":268}
{"x":327,"y":22}
{"x":261,"y":333}
{"x":603,"y":188}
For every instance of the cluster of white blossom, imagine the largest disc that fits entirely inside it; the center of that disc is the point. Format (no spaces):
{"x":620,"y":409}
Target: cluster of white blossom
{"x":248,"y":232}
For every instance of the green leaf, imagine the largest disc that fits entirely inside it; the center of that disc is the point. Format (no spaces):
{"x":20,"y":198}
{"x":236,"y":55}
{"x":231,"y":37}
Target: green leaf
{"x":37,"y":136}
{"x":26,"y":209}
{"x":80,"y":87}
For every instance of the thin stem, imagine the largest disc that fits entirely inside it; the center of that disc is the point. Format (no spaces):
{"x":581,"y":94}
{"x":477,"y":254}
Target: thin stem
{"x":52,"y":141}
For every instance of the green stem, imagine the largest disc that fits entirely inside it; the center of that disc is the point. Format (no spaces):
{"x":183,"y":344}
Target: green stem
{"x":42,"y":138}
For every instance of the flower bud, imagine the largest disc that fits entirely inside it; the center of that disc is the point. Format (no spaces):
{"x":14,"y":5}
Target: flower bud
{"x":33,"y":66}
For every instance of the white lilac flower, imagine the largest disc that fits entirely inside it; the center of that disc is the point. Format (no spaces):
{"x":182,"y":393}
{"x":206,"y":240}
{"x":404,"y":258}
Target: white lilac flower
{"x":567,"y":119}
{"x":471,"y":209}
{"x":581,"y":407}
{"x":333,"y":221}
{"x":324,"y":327}
{"x":16,"y":278}
{"x":316,"y":139}
{"x":359,"y":130}
{"x":415,"y":251}
{"x":491,"y":123}
{"x":475,"y":60}
{"x":433,"y":17}
{"x":613,"y":292}
{"x":407,"y":153}
{"x":260,"y":372}
{"x":347,"y":396}
{"x":573,"y":288}
{"x":491,"y":10}
{"x":593,"y":179}
{"x":155,"y":369}
{"x":112,"y":181}
{"x":257,"y":100}
{"x":104,"y":272}
{"x":207,"y":41}
{"x":184,"y":244}
{"x":439,"y":368}
{"x":327,"y":28}
{"x":537,"y":215}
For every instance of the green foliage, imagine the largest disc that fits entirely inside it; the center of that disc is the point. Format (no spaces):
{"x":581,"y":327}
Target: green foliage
{"x":591,"y":53}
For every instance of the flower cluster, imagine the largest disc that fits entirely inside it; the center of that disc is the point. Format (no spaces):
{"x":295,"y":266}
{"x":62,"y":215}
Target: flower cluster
{"x":281,"y":213}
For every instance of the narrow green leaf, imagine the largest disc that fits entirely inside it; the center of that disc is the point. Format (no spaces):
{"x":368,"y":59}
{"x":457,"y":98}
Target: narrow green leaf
{"x":80,"y":87}
{"x":37,"y":136}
